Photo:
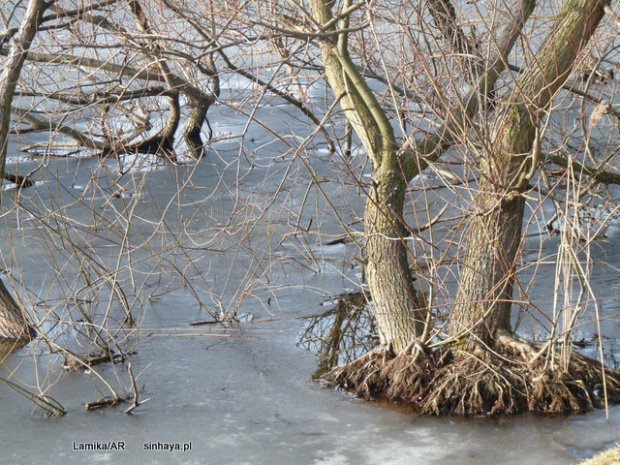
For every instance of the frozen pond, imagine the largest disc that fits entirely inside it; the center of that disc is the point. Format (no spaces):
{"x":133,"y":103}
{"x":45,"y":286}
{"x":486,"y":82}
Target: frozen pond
{"x":241,"y":394}
{"x":249,"y":399}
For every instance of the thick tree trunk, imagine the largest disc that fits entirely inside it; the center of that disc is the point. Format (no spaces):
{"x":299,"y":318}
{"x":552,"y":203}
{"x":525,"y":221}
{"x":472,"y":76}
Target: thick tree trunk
{"x":399,"y":316}
{"x":484,"y":296}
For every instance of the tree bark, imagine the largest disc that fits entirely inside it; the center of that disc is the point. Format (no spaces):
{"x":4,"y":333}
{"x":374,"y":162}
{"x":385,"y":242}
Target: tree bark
{"x":400,"y":316}
{"x":13,"y":326}
{"x":198,"y":113}
{"x":395,"y":304}
{"x":483,"y":300}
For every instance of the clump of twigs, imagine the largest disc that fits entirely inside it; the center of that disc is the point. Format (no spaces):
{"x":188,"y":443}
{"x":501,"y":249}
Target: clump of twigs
{"x":73,"y":363}
{"x":115,"y":399}
{"x":106,"y":402}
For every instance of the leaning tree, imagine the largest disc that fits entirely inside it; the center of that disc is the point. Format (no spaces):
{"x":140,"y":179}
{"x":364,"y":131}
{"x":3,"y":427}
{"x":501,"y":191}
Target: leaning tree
{"x":137,"y":87}
{"x":14,"y":330}
{"x":142,"y":75}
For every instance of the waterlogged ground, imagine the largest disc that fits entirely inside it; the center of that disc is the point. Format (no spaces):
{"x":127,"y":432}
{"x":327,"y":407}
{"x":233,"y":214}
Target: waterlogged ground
{"x":241,"y":394}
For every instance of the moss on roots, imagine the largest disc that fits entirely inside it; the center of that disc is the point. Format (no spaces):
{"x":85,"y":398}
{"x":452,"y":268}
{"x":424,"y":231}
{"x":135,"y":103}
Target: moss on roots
{"x":506,"y":379}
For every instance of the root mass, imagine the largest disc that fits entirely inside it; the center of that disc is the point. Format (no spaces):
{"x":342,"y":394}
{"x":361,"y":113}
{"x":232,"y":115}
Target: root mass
{"x":508,"y":378}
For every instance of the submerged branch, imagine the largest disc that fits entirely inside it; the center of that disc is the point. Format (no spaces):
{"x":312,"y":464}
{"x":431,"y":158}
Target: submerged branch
{"x":597,"y":174}
{"x":46,"y":404}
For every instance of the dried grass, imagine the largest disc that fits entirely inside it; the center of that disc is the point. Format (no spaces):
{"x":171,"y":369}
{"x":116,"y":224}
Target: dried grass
{"x":610,"y":457}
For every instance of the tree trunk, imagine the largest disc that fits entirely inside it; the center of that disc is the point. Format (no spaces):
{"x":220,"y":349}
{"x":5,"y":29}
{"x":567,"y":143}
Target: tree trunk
{"x":193,"y":128}
{"x":399,"y":316}
{"x":13,"y":326}
{"x":483,"y":301}
{"x":484,"y":295}
{"x":198,"y":113}
{"x":12,"y":69}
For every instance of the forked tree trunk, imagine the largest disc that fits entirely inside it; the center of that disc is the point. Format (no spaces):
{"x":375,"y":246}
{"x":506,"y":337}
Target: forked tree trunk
{"x":463,"y":377}
{"x":492,"y":240}
{"x":395,"y":303}
{"x":484,"y":296}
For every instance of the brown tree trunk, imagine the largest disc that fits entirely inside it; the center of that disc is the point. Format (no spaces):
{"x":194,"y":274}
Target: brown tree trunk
{"x":399,"y":315}
{"x":13,"y":326}
{"x":198,"y":113}
{"x":193,"y":128}
{"x":484,"y":296}
{"x":386,"y":253}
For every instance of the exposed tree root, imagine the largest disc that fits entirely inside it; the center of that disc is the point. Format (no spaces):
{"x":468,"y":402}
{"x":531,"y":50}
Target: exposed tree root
{"x":509,"y":378}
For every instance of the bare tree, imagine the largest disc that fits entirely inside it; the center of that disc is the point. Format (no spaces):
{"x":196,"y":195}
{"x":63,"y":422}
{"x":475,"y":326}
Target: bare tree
{"x":425,"y":93}
{"x":137,"y":83}
{"x":479,"y":367}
